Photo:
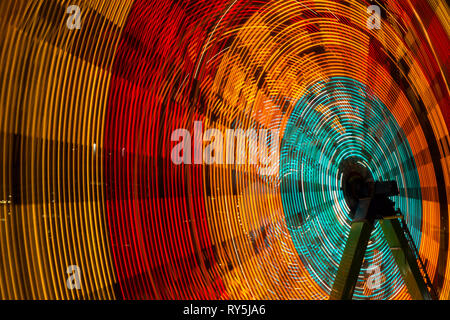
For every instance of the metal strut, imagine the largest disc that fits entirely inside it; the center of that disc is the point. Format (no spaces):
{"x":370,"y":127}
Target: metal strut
{"x":369,"y":202}
{"x":420,"y":263}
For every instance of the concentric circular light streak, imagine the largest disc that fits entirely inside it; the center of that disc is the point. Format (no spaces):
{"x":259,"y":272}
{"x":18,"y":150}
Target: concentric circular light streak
{"x":335,"y":121}
{"x":87,"y":116}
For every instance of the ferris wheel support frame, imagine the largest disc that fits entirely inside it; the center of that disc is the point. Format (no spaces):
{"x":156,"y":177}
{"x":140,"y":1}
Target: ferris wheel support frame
{"x":371,"y":206}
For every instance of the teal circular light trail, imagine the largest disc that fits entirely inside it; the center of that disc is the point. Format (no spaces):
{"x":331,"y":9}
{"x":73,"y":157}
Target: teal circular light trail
{"x":334,"y":121}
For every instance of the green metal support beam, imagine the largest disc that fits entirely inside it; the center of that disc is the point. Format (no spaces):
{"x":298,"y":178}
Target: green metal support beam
{"x":405,"y":259}
{"x":369,"y":201}
{"x":351,"y":262}
{"x":355,"y":248}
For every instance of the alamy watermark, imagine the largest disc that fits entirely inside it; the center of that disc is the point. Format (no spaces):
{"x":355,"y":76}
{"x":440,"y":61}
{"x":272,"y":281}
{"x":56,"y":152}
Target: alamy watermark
{"x":73,"y":281}
{"x":74,"y":20}
{"x":230,"y":147}
{"x":374,"y":20}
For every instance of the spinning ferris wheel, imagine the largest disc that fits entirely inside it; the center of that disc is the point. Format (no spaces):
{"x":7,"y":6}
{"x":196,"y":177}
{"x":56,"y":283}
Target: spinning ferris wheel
{"x":243,"y":149}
